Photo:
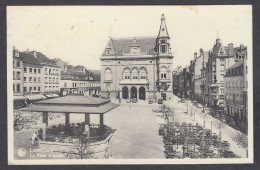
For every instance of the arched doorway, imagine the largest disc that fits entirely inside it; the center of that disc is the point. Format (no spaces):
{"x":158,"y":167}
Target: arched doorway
{"x":133,"y":93}
{"x":142,"y":93}
{"x":125,"y":93}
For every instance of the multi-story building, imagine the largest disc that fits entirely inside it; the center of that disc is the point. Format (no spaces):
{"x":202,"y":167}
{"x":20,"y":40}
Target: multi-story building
{"x":199,"y":62}
{"x":175,"y":80}
{"x":138,"y":68}
{"x":77,"y":82}
{"x":245,"y":94}
{"x":220,"y":59}
{"x":233,"y":88}
{"x":18,"y":97}
{"x":50,"y":73}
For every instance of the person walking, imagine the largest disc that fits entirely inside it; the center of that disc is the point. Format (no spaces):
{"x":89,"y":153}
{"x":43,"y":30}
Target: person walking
{"x":34,"y":139}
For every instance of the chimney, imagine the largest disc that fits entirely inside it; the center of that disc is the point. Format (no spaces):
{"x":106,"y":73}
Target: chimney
{"x":230,"y":49}
{"x":195,"y":56}
{"x":241,"y":46}
{"x":35,"y":54}
{"x":201,"y":51}
{"x":217,"y":41}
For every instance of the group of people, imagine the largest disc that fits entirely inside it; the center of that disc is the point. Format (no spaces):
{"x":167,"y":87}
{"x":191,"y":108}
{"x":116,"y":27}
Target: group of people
{"x":36,"y":137}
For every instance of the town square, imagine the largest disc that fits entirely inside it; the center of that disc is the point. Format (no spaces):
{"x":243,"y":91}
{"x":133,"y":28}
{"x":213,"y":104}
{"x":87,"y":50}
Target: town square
{"x":92,"y":86}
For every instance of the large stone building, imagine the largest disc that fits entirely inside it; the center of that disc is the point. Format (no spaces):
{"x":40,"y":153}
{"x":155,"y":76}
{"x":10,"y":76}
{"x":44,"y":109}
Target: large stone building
{"x":234,"y":86}
{"x":220,"y":59}
{"x":138,"y":68}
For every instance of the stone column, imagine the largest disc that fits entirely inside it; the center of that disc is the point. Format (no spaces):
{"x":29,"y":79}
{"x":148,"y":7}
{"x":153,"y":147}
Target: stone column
{"x":129,"y":94}
{"x":137,"y":95}
{"x":87,"y":123}
{"x":67,"y":122}
{"x":45,"y":118}
{"x":87,"y":118}
{"x":101,"y":120}
{"x":146,"y":94}
{"x":120,"y":94}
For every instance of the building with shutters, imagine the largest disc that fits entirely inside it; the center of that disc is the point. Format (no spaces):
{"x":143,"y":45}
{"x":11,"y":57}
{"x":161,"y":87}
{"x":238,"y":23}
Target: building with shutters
{"x":139,"y":67}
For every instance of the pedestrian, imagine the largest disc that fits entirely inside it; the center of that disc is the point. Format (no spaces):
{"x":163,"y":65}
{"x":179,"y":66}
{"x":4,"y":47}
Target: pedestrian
{"x":34,"y":138}
{"x":40,"y":133}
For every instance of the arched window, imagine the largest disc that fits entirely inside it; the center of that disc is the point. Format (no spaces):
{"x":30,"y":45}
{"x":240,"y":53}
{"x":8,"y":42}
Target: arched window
{"x":163,"y":73}
{"x":142,"y":73}
{"x":126,"y":74}
{"x":108,"y":74}
{"x":134,"y":74}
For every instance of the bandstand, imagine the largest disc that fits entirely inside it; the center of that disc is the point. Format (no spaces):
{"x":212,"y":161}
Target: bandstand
{"x":78,"y":104}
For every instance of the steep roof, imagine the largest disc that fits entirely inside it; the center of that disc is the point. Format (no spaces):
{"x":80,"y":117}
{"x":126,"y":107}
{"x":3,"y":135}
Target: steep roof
{"x":163,"y":29}
{"x":122,"y":45}
{"x":29,"y":58}
{"x":239,"y":63}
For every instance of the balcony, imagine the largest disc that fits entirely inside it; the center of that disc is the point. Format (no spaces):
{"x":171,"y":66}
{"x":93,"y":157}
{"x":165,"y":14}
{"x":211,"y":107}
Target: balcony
{"x":133,"y":82}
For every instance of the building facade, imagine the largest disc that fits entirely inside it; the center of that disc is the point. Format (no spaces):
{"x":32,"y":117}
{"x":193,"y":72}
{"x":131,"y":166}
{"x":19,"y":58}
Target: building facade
{"x":73,"y":83}
{"x":138,"y":68}
{"x":234,"y":96}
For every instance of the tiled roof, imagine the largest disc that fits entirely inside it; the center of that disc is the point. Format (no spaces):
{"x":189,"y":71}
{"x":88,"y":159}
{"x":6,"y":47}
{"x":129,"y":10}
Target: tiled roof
{"x":74,"y":100}
{"x":29,"y":58}
{"x":239,"y":63}
{"x":72,"y":109}
{"x":122,"y":46}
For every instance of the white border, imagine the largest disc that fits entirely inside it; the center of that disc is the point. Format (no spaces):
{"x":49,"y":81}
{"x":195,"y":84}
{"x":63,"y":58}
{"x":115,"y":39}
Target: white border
{"x":11,"y":160}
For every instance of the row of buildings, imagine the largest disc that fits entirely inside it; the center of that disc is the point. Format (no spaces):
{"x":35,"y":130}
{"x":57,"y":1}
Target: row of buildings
{"x":36,"y":77}
{"x":218,"y":79}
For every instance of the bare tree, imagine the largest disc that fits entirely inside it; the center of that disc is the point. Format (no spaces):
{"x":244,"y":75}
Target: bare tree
{"x":81,"y":149}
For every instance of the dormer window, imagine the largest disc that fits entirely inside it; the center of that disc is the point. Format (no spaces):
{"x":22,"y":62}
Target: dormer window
{"x":108,"y":51}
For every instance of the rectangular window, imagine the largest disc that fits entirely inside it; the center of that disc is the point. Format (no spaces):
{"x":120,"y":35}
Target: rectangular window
{"x":34,"y":88}
{"x":25,"y":69}
{"x":39,"y":79}
{"x":30,"y":89}
{"x":46,"y":71}
{"x":39,"y":71}
{"x":30,"y":79}
{"x":24,"y":89}
{"x":18,"y":64}
{"x":25,"y":79}
{"x":163,"y":48}
{"x":35,"y":71}
{"x":35,"y":80}
{"x":39,"y":88}
{"x":30,"y":69}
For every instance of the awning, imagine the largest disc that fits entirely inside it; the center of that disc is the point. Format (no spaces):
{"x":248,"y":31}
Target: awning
{"x":35,"y":96}
{"x":49,"y":95}
{"x":55,"y":95}
{"x":19,"y":98}
{"x":104,"y":94}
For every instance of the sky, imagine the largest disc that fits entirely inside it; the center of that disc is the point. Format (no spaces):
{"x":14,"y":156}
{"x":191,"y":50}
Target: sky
{"x":79,"y":34}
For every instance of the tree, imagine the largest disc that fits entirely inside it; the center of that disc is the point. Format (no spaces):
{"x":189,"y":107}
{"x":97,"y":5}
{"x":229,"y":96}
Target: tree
{"x":81,"y":149}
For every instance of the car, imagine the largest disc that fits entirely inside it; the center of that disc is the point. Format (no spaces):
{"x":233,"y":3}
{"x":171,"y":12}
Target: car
{"x":160,"y":101}
{"x":134,"y":100}
{"x":150,"y":101}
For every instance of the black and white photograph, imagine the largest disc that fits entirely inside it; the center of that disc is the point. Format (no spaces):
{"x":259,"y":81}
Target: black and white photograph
{"x":130,"y":84}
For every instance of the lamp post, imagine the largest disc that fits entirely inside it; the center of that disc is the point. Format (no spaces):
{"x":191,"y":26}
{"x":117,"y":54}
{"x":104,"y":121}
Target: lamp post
{"x":177,"y":132}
